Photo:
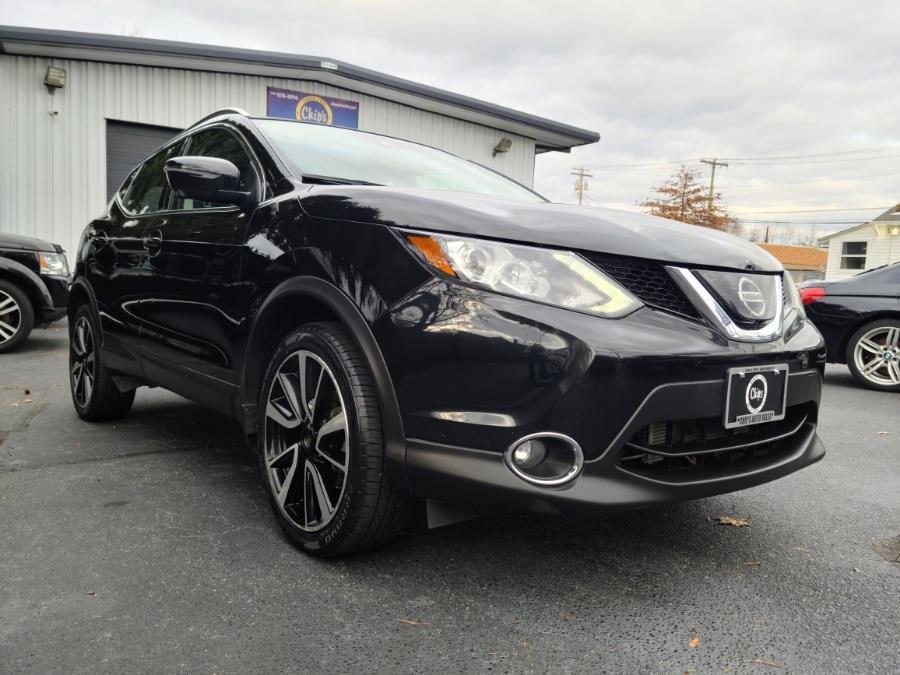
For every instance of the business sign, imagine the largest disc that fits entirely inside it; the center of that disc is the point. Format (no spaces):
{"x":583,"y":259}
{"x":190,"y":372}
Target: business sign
{"x":296,"y":105}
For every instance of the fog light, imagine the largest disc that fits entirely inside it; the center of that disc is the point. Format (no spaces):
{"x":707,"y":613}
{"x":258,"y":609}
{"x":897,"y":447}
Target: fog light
{"x":529,"y":454}
{"x":546,"y":459}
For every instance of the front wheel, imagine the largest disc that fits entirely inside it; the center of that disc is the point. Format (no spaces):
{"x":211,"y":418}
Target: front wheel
{"x":873,"y":355}
{"x":16,"y":316}
{"x":321,"y":448}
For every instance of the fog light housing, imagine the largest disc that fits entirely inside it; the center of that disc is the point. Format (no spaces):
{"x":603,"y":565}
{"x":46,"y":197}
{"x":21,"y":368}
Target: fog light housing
{"x":545,"y":459}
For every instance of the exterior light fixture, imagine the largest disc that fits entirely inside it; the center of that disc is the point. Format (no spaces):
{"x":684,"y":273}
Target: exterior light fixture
{"x":503,"y":145}
{"x":55,"y":78}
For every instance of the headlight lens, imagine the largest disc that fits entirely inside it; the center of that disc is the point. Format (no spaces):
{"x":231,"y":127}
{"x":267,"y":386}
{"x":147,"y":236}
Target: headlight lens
{"x":558,"y":278}
{"x":54,"y":264}
{"x":792,"y":295}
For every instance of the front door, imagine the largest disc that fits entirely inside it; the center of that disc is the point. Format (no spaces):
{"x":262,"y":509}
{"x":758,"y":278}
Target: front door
{"x":189,"y":299}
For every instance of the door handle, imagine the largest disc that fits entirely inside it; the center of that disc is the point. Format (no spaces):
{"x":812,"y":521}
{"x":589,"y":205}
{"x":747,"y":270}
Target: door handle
{"x":152,"y":241}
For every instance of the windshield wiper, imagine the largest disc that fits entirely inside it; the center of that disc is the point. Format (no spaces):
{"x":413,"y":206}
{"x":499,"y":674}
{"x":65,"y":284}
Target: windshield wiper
{"x":334,"y":180}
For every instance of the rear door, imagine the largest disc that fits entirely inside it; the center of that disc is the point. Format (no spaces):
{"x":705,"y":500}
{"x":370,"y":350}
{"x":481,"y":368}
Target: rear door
{"x":119,"y":258}
{"x":189,"y":304}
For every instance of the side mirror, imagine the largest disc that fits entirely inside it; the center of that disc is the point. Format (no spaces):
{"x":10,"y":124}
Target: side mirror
{"x":207,"y":179}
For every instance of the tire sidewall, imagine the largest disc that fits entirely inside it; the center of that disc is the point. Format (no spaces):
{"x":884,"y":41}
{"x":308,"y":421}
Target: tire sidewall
{"x":85,"y":311}
{"x":330,"y":536}
{"x":851,"y":348}
{"x":26,"y":316}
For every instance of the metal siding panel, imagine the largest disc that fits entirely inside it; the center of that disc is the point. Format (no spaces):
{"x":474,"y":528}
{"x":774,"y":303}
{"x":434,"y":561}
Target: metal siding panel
{"x":65,"y":156}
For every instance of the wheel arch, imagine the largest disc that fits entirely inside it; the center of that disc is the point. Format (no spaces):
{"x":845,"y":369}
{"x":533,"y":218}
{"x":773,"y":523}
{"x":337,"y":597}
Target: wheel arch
{"x":301,"y":300}
{"x":80,"y":293}
{"x":30,"y":283}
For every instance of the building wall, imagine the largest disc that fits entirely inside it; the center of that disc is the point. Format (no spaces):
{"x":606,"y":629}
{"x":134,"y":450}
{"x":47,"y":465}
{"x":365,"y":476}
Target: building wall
{"x":880,"y":250}
{"x":53,"y":166}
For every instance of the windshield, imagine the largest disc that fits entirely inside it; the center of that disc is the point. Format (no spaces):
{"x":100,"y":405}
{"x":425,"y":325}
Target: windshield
{"x":326,"y":154}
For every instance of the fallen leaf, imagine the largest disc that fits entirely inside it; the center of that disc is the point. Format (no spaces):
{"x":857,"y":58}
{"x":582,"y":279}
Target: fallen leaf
{"x":753,"y":562}
{"x":92,"y":594}
{"x":762,"y":663}
{"x":734,"y":522}
{"x":856,"y":569}
{"x":412,"y":622}
{"x":694,"y":643}
{"x":884,"y":433}
{"x":563,"y":616}
{"x":28,"y":400}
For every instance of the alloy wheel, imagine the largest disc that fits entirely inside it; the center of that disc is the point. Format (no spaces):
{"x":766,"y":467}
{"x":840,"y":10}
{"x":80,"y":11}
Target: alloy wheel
{"x":10,"y":317}
{"x":306,"y":441}
{"x":877,"y":355}
{"x":83,"y":362}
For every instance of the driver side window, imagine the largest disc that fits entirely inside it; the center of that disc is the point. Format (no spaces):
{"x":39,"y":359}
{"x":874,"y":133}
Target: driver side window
{"x":223,"y":144}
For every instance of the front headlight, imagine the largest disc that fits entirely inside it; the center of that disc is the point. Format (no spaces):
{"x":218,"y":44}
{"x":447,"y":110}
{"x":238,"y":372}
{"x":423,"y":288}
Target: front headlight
{"x":558,"y":278}
{"x":53,"y":264}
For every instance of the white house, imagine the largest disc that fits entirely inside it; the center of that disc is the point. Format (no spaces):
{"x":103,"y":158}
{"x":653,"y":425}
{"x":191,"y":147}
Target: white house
{"x":865,"y":246}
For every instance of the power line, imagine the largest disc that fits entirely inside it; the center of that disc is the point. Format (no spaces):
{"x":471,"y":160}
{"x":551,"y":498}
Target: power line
{"x":861,"y":208}
{"x":885,"y":148}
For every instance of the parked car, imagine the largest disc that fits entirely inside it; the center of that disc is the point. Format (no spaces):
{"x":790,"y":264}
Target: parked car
{"x":34,"y":287}
{"x":860,"y":319}
{"x":394,"y":326}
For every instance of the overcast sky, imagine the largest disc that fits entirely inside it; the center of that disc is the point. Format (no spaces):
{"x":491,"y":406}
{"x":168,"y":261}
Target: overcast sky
{"x":661,"y":82}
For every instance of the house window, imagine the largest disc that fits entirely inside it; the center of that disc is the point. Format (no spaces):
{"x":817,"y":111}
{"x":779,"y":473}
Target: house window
{"x":853,"y":255}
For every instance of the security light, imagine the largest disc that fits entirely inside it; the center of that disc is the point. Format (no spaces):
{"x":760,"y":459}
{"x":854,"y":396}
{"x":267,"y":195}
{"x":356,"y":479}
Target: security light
{"x":55,"y":78}
{"x":503,"y":145}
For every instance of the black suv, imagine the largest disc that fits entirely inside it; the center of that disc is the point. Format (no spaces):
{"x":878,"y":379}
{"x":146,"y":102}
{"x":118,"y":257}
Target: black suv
{"x":34,"y":287}
{"x":394,"y":326}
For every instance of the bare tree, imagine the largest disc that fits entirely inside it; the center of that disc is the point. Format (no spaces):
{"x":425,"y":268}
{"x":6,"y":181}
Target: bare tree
{"x":684,"y":199}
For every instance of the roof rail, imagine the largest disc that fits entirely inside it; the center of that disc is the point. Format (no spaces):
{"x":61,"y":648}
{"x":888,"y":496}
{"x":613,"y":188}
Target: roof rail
{"x":221,"y":111}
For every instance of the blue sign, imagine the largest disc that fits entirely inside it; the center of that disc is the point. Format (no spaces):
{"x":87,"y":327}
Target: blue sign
{"x":296,"y":105}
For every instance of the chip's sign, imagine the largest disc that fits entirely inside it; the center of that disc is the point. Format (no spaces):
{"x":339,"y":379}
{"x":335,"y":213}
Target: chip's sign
{"x":297,"y":105}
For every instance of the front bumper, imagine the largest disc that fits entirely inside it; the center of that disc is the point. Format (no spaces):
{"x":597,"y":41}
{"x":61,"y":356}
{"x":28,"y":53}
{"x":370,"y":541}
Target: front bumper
{"x":609,"y":482}
{"x":474,"y":372}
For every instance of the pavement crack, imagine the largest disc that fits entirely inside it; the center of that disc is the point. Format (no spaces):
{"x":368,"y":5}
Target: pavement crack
{"x":95,"y":460}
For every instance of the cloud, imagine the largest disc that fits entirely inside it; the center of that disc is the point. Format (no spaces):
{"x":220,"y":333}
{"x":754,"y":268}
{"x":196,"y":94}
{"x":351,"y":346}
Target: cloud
{"x":660,"y":81}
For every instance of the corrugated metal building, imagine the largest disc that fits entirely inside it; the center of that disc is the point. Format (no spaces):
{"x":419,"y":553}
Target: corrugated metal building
{"x":63,"y":150}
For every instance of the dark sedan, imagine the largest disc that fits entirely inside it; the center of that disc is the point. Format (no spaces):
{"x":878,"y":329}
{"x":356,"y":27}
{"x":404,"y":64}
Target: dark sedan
{"x":34,"y":287}
{"x":860,"y":320}
{"x":396,"y":326}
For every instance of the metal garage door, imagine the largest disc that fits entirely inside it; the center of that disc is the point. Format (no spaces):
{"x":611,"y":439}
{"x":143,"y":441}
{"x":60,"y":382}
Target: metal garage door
{"x":127,"y":145}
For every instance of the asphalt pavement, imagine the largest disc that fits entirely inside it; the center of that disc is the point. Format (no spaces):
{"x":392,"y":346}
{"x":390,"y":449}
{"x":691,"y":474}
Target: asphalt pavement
{"x":147,"y":545}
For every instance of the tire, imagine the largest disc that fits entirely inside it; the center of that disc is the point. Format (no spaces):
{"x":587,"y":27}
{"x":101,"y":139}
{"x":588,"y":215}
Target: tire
{"x":873,"y":355}
{"x":94,"y":393}
{"x":321,"y":447}
{"x":16,"y":316}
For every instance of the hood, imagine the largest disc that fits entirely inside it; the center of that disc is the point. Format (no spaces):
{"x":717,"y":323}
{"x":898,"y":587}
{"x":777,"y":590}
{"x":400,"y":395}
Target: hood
{"x":20,"y":243}
{"x":555,"y":225}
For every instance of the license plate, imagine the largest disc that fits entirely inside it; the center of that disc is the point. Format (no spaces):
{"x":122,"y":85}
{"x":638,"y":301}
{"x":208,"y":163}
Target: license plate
{"x":755,"y":394}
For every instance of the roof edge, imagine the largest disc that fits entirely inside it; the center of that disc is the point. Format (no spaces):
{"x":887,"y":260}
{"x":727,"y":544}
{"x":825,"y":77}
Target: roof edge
{"x":186,"y":50}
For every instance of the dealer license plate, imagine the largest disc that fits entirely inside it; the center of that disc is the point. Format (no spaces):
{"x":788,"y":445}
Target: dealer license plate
{"x":755,"y":395}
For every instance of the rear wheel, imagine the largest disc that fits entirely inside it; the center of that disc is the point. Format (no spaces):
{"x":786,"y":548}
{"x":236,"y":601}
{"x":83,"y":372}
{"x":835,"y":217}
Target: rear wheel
{"x":321,"y":447}
{"x":16,"y":316}
{"x":873,"y":355}
{"x":94,"y":393}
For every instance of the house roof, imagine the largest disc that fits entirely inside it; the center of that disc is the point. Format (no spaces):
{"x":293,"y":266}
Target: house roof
{"x":892,"y":215}
{"x":549,"y":134}
{"x":798,"y":257}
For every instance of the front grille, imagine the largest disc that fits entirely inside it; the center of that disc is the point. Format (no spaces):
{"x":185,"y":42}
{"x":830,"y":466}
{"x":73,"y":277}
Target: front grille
{"x":647,"y":280}
{"x":687,"y":450}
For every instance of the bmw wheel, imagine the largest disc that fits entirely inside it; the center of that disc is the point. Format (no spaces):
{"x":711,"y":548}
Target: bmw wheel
{"x":94,"y":393}
{"x":321,"y":448}
{"x":873,"y":355}
{"x":16,"y":316}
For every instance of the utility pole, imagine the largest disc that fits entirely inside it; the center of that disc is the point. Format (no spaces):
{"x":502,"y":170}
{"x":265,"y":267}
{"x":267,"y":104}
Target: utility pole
{"x":581,"y":185}
{"x":712,"y":178}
